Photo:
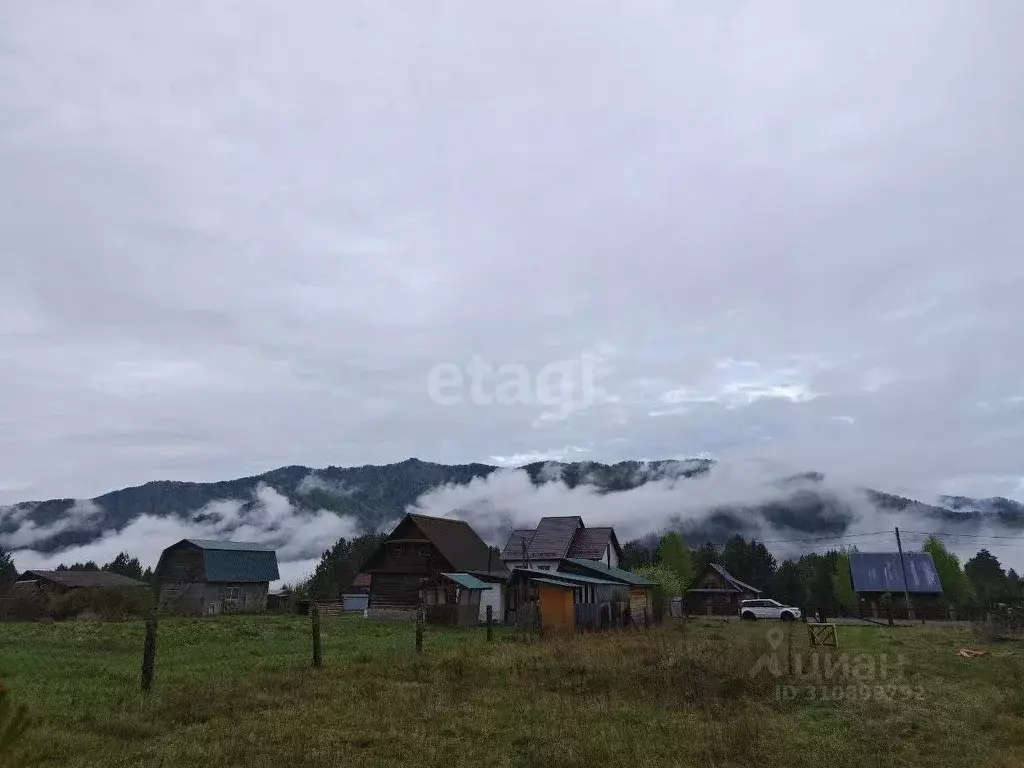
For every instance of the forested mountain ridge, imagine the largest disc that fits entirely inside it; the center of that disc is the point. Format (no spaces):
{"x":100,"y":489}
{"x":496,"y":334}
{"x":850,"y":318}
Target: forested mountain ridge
{"x":374,"y":495}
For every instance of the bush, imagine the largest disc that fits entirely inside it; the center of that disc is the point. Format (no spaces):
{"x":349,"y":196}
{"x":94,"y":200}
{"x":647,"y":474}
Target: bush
{"x":109,"y":603}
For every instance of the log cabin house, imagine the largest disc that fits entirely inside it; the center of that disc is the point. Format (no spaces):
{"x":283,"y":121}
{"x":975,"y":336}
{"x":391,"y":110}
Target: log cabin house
{"x":418,"y":551}
{"x":715,"y":591}
{"x":197,"y":577}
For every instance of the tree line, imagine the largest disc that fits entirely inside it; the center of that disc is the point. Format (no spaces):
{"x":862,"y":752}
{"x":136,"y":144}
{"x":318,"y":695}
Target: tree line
{"x":815,"y":579}
{"x":124,"y":564}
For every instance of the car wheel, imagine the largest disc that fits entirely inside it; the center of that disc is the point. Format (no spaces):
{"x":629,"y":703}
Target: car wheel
{"x":748,"y":616}
{"x":787,"y":616}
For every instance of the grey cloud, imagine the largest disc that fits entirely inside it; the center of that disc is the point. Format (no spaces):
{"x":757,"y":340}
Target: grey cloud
{"x":242,"y":237}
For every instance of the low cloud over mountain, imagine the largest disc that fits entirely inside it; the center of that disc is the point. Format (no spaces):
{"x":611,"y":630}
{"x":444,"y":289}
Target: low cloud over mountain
{"x":301,"y":511}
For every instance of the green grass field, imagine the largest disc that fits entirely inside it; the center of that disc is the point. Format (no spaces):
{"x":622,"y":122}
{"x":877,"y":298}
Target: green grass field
{"x":241,"y":691}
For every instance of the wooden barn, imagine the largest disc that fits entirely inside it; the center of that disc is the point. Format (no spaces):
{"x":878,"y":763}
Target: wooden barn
{"x":715,"y":591}
{"x":198,"y":577}
{"x":419,"y":550}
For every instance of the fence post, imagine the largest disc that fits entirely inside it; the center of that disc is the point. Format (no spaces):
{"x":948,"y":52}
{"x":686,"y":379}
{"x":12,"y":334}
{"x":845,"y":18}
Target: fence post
{"x":647,"y":622}
{"x":419,"y":630}
{"x":149,"y":654}
{"x":490,"y":623}
{"x":314,"y":617}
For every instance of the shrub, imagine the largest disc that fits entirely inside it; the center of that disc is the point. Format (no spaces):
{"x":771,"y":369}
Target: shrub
{"x":109,"y":603}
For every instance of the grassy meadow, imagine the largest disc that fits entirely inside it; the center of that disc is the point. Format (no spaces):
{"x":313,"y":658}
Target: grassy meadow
{"x":240,"y":691}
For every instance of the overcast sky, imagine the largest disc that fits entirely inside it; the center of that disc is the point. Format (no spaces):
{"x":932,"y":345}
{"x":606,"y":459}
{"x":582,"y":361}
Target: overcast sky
{"x":240,"y":235}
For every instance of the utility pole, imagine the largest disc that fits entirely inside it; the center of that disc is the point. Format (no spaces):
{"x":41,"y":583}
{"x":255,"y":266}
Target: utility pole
{"x":903,"y":566}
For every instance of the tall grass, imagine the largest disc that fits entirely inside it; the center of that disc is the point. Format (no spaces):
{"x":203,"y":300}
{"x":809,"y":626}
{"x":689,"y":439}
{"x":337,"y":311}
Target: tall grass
{"x":241,"y":691}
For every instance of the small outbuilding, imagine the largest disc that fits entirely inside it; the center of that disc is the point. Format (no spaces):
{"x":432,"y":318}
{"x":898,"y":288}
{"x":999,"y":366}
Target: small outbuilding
{"x":199,"y":577}
{"x":560,"y":601}
{"x":641,"y":590}
{"x":453,"y":599}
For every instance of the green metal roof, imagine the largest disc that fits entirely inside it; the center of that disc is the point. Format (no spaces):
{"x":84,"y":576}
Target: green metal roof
{"x":562,"y":576}
{"x":467,"y":581}
{"x":615,"y":574}
{"x":237,"y":561}
{"x":563,"y":584}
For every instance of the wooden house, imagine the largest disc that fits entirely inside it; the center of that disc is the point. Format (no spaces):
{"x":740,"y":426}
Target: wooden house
{"x":199,"y":577}
{"x":556,"y":601}
{"x":420,"y":549}
{"x":557,"y":538}
{"x":877,"y":579}
{"x":453,"y":599}
{"x":715,"y":591}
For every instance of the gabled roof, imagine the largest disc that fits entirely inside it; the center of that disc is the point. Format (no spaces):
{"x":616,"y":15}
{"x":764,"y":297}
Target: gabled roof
{"x":457,"y":542}
{"x":550,"y":541}
{"x":882,"y":572}
{"x":591,"y":543}
{"x":740,"y":586}
{"x":612,"y":574}
{"x":514,"y":547}
{"x":77,"y":579}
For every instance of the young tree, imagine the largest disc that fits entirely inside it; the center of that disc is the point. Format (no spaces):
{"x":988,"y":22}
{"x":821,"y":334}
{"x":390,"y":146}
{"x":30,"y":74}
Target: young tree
{"x":8,"y":573}
{"x":842,"y":583}
{"x":339,"y":565}
{"x":987,"y":577}
{"x":955,"y":585}
{"x":666,"y":578}
{"x":673,"y":554}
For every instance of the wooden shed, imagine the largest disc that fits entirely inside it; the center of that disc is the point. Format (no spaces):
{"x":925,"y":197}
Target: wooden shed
{"x":641,"y":590}
{"x":559,"y":601}
{"x":453,"y":599}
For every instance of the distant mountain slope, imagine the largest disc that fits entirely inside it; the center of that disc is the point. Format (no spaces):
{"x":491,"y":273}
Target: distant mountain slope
{"x":374,"y":495}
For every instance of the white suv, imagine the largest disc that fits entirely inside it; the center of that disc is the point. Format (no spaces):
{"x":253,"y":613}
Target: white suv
{"x":767,"y":609}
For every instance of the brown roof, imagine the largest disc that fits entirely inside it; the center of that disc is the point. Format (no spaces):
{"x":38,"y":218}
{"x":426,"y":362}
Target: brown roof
{"x":76,"y":579}
{"x":457,"y":542}
{"x":551,"y":540}
{"x":591,"y":543}
{"x":514,"y":547}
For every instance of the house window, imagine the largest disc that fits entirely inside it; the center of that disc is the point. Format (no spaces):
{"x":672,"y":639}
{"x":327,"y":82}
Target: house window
{"x":231,"y":593}
{"x":425,"y":550}
{"x":544,"y":567}
{"x":399,"y":550}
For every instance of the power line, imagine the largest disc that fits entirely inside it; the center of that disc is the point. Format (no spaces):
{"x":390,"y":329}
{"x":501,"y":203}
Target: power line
{"x":823,"y":538}
{"x":971,"y":535}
